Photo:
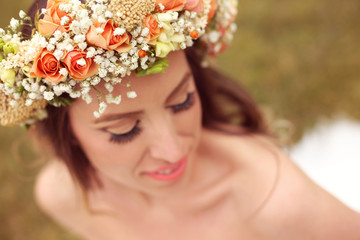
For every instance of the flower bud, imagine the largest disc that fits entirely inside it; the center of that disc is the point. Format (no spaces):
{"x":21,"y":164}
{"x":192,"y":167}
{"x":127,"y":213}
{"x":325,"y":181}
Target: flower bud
{"x":162,"y":49}
{"x":26,"y":70}
{"x":2,"y":43}
{"x":10,"y":48}
{"x":8,"y":76}
{"x":158,"y":67}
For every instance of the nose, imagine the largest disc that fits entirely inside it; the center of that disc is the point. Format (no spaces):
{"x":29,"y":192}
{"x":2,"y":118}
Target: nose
{"x":165,"y":142}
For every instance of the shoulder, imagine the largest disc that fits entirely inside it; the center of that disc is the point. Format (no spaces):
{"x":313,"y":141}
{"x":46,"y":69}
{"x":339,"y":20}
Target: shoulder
{"x":58,"y":196}
{"x":276,"y":197}
{"x":300,"y":206}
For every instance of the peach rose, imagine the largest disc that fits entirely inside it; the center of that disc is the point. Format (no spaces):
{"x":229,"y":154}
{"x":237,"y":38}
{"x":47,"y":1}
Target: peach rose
{"x":172,"y":5}
{"x":79,"y":66}
{"x":194,"y":5}
{"x":107,"y":40}
{"x":151,"y":23}
{"x":51,"y":21}
{"x":47,"y":66}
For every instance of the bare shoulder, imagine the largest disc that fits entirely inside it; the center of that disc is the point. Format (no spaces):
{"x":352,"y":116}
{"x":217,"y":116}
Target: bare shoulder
{"x":58,"y":196}
{"x":276,"y":198}
{"x":299,"y":208}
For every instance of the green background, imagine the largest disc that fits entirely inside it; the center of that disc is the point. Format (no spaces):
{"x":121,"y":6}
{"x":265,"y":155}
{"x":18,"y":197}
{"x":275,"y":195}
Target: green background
{"x":299,"y":59}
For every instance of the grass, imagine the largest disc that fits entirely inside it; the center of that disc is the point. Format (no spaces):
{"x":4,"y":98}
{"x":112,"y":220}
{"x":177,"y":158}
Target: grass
{"x":299,"y":59}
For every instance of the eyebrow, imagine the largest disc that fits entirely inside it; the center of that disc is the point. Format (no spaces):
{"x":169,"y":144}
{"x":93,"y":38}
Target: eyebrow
{"x":116,"y":116}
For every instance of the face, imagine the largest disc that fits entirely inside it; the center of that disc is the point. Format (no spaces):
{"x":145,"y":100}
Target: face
{"x":148,"y":142}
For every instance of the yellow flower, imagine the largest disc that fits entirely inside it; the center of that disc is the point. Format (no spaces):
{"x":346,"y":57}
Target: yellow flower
{"x":8,"y":76}
{"x":162,"y":49}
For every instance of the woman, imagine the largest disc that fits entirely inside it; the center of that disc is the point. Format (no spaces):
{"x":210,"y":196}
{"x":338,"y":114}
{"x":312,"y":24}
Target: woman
{"x":188,"y":158}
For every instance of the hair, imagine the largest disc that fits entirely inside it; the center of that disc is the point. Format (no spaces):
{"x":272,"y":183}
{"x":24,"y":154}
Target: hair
{"x":224,"y":103}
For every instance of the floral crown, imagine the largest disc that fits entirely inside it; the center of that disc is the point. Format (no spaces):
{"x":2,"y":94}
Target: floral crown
{"x":76,"y":45}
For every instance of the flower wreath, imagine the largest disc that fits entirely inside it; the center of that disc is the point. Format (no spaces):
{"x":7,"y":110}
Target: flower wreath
{"x":77,"y":45}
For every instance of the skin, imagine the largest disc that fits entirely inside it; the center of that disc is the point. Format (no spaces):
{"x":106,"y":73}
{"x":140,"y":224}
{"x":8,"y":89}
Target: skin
{"x":234,"y":186}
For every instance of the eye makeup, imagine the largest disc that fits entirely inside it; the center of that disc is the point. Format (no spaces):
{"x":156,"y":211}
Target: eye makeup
{"x":189,"y":102}
{"x":126,"y":137}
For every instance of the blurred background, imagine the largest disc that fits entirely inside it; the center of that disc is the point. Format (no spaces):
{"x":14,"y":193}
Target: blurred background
{"x":300,"y":60}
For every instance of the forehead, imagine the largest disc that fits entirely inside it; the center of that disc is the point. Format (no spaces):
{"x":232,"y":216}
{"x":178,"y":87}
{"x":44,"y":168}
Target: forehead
{"x":151,"y":89}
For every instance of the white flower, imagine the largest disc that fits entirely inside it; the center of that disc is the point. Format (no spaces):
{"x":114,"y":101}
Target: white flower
{"x":79,"y":38}
{"x":50,"y":47}
{"x":16,"y":95}
{"x":99,"y":30}
{"x":28,"y":102}
{"x":109,"y":87}
{"x":214,"y":36}
{"x":42,"y":88}
{"x":64,"y":20}
{"x":82,"y":45}
{"x":161,"y":6}
{"x":22,"y":14}
{"x":43,"y":11}
{"x":108,"y":14}
{"x":14,"y":23}
{"x":145,"y":32}
{"x":97,"y":114}
{"x":69,"y":47}
{"x":64,"y":72}
{"x":58,"y":54}
{"x":101,"y":19}
{"x":48,"y":95}
{"x":119,"y":31}
{"x":102,"y":107}
{"x":2,"y":32}
{"x":81,"y":62}
{"x":131,"y":94}
{"x":13,"y":103}
{"x":32,"y":95}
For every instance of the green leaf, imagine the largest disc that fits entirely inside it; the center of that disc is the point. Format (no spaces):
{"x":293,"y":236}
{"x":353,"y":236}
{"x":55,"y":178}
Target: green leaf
{"x":157,"y":67}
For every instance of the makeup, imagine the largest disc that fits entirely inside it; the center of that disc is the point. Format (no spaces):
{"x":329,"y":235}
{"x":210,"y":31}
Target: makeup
{"x":170,"y":172}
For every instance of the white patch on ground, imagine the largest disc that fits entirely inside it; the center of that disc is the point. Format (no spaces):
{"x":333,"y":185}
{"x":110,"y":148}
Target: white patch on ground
{"x":330,"y":156}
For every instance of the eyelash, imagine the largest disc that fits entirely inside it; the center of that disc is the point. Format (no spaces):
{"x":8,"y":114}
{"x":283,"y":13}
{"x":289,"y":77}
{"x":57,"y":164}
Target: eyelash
{"x":190,"y":100}
{"x":136,"y":130}
{"x":126,"y":137}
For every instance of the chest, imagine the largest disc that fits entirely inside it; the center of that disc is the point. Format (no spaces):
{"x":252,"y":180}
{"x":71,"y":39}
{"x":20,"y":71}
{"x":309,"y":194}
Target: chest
{"x":221,"y":221}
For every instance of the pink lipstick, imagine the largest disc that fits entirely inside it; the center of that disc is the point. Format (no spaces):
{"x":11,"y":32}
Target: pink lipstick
{"x":170,"y":172}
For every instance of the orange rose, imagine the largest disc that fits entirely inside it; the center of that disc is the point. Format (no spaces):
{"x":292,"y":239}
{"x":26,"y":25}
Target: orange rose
{"x":107,"y":40}
{"x":77,"y":70}
{"x":51,"y":21}
{"x":172,"y":5}
{"x":194,"y":5}
{"x":154,"y":31}
{"x":47,"y":66}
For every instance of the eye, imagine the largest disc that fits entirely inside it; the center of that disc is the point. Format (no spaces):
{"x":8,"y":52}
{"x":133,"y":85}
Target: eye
{"x":126,"y":137}
{"x":188,"y":103}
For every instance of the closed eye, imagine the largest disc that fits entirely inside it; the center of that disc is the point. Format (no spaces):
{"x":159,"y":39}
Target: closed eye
{"x":128,"y":136}
{"x":188,"y":103}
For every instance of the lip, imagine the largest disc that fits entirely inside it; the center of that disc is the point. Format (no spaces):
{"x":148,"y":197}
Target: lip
{"x":179,"y":168}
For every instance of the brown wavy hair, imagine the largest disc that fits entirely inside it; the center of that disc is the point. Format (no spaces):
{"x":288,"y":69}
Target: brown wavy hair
{"x":224,"y":103}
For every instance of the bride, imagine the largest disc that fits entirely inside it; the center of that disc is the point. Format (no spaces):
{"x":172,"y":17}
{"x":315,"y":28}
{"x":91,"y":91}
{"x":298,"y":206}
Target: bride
{"x":185,"y":155}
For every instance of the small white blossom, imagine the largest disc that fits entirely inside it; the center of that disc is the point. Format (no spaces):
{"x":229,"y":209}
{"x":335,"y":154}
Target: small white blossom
{"x":99,"y":30}
{"x":13,"y":103}
{"x":42,"y":88}
{"x":101,"y":19}
{"x":109,"y":87}
{"x":48,"y":95}
{"x":16,"y":96}
{"x":102,"y":107}
{"x":28,"y":102}
{"x":14,"y":23}
{"x":97,"y":114}
{"x":161,"y":6}
{"x":64,"y":20}
{"x":64,"y":72}
{"x":2,"y":32}
{"x":81,"y":62}
{"x":119,"y":31}
{"x":79,"y":38}
{"x":32,"y":95}
{"x":69,"y":47}
{"x":22,"y":14}
{"x":43,"y":11}
{"x":58,"y":54}
{"x":145,"y":32}
{"x":131,"y":94}
{"x":108,"y":14}
{"x":82,"y":45}
{"x":50,"y":47}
